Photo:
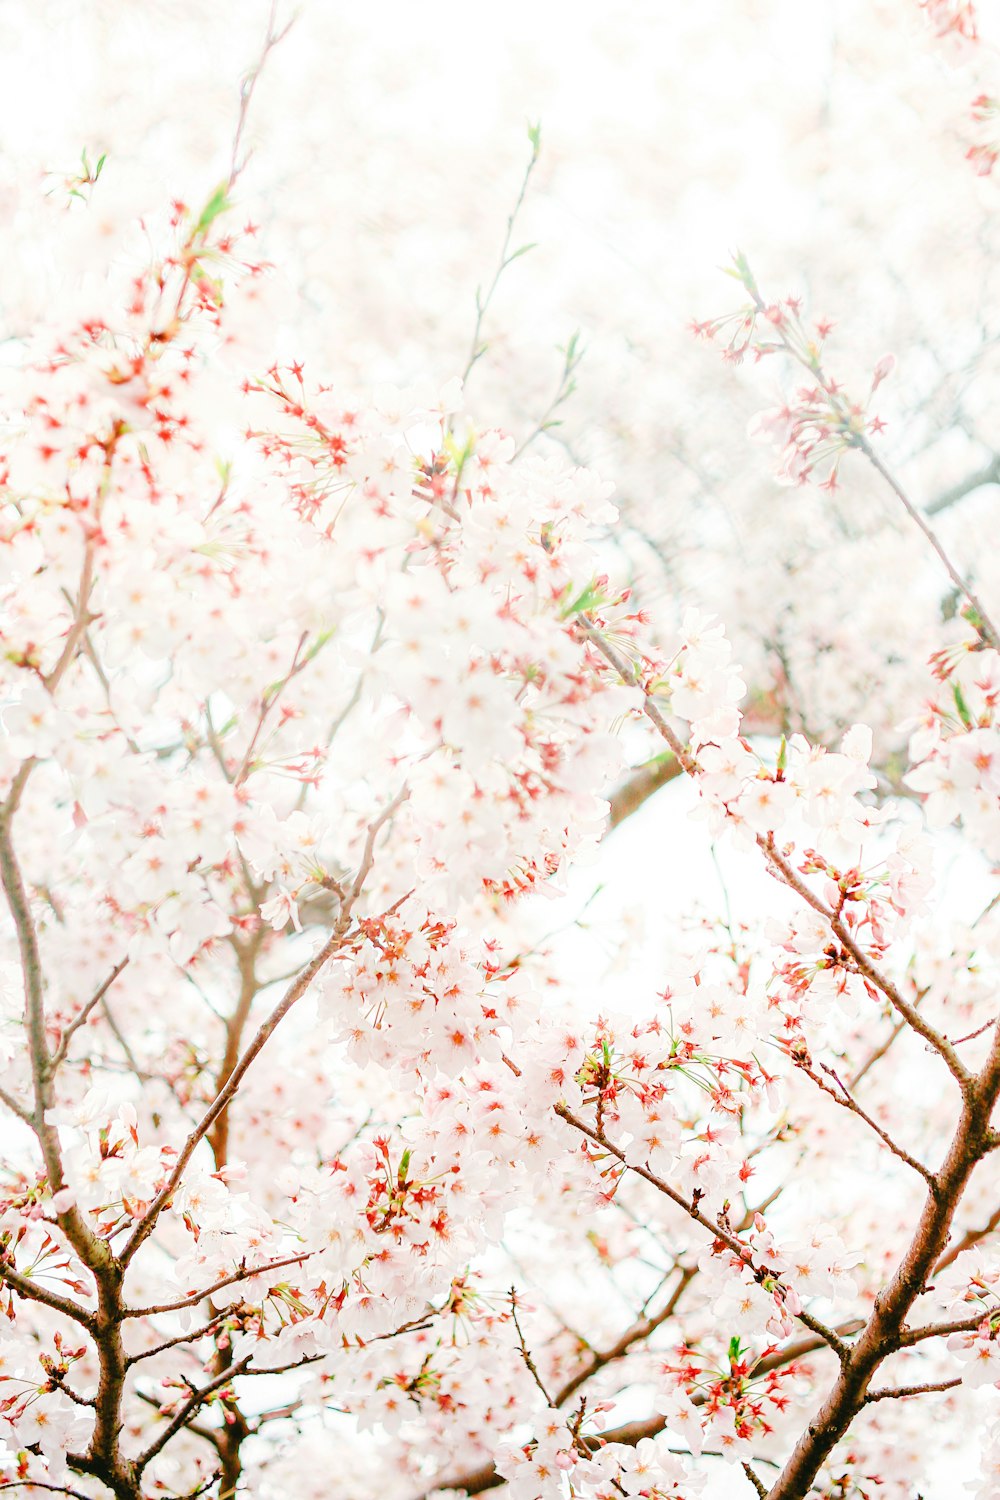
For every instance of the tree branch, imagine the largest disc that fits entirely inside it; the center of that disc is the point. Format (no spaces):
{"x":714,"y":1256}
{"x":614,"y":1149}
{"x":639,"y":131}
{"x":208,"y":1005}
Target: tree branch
{"x":84,"y":1013}
{"x":897,"y":1392}
{"x":842,"y":1096}
{"x":883,"y":1333}
{"x":295,"y":991}
{"x":196,"y":1297}
{"x":690,"y":1207}
{"x":974,"y":481}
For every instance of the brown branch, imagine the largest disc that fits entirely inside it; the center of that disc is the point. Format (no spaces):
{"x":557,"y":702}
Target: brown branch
{"x":84,"y":1013}
{"x":267,"y":702}
{"x":898,"y":1392}
{"x":629,"y":675}
{"x":529,"y":1363}
{"x":211,"y":1435}
{"x":755,"y":1480}
{"x":476,"y":1481}
{"x":842,"y":1096}
{"x":194,"y":1403}
{"x":17,"y":1108}
{"x":246,"y":954}
{"x":990,"y":474}
{"x":690,"y":1207}
{"x":192,"y":1301}
{"x":865,"y":967}
{"x":970,"y":1036}
{"x":639,"y":785}
{"x":38,"y":1484}
{"x":987,"y":629}
{"x":31,"y":1291}
{"x":82,"y":617}
{"x":639,"y":1331}
{"x":190,"y":1336}
{"x":876,"y":1055}
{"x":971,"y":1140}
{"x":295,"y":991}
{"x":910,"y":1336}
{"x":144,"y":1228}
{"x":883,"y":1333}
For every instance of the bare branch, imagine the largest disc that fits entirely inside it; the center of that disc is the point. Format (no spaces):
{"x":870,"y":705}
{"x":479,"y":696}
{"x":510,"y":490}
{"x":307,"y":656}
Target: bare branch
{"x":639,"y":785}
{"x":38,"y":1484}
{"x":755,"y":1480}
{"x":32,"y":1291}
{"x":842,"y":1096}
{"x":986,"y":626}
{"x":192,"y":1301}
{"x":898,"y":1392}
{"x":84,"y":1014}
{"x":639,"y":1331}
{"x":188,"y":1408}
{"x":529,"y":1363}
{"x":247,"y":86}
{"x":17,"y":1108}
{"x":910,"y":1336}
{"x":690,"y":1207}
{"x":295,"y":991}
{"x":990,"y":474}
{"x":865,"y":967}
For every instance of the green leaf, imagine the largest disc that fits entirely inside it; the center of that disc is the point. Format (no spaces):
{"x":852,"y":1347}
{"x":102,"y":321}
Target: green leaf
{"x":535,"y":136}
{"x":516,"y":255}
{"x":217,"y":204}
{"x":961,"y":705}
{"x":589,"y":597}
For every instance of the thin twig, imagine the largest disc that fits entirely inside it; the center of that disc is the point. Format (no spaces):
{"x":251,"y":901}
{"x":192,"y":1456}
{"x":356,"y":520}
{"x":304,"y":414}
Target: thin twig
{"x":246,"y":1274}
{"x":476,"y":349}
{"x":84,"y":1013}
{"x":295,"y":991}
{"x":842,"y":1096}
{"x":690,"y":1207}
{"x":898,"y":1392}
{"x":755,"y":1480}
{"x":529,"y":1363}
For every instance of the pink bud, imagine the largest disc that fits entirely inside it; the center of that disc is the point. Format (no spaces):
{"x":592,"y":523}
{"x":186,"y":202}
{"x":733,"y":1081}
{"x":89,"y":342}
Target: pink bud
{"x":883,"y":370}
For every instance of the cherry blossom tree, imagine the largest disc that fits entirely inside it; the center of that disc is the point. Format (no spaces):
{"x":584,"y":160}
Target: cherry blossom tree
{"x":326,"y":1173}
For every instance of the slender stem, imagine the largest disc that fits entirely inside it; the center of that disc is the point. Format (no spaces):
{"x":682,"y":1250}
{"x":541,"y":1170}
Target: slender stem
{"x":476,"y":349}
{"x":83,"y":1015}
{"x":690,"y":1207}
{"x":294,"y":993}
{"x":883,"y":1333}
{"x":898,"y":1392}
{"x":870,"y":971}
{"x":245,"y":1274}
{"x":846,"y":1100}
{"x":988,"y":629}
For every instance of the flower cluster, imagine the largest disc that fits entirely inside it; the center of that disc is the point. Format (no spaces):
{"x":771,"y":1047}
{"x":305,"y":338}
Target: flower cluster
{"x":955,"y":745}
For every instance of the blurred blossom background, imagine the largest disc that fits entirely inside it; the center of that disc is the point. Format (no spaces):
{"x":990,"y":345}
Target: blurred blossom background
{"x":826,"y":141}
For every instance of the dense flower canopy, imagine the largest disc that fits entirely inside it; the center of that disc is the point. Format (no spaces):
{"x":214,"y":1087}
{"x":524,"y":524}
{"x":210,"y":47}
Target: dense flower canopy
{"x":371,"y":1126}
